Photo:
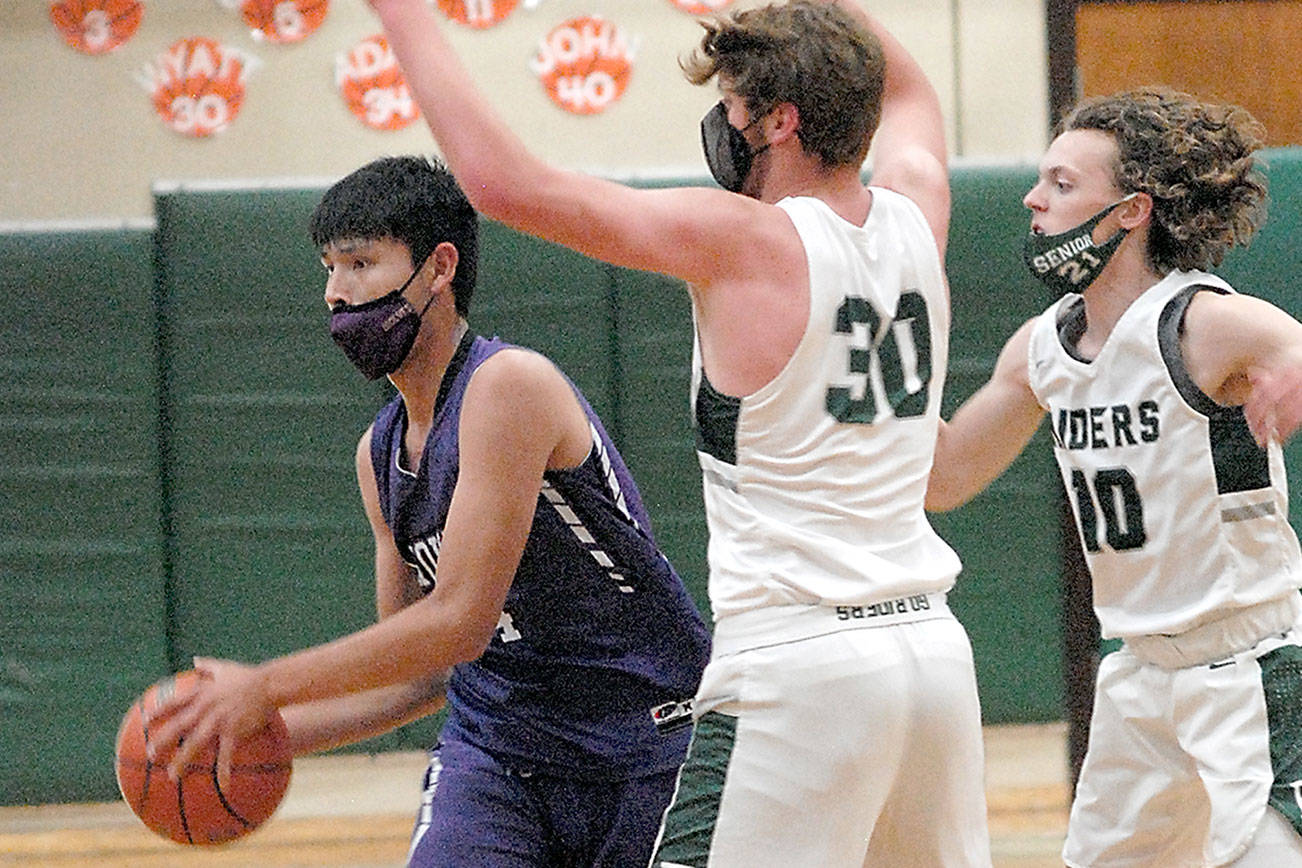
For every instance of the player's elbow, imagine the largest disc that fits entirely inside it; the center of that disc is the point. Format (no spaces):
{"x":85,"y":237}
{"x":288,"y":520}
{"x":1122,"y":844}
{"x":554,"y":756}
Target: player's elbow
{"x":942,"y":497}
{"x":469,"y":638}
{"x":945,"y":490}
{"x":489,"y":196}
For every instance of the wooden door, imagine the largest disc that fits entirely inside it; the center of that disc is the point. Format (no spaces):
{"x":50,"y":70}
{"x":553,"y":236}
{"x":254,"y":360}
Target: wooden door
{"x":1246,"y":52}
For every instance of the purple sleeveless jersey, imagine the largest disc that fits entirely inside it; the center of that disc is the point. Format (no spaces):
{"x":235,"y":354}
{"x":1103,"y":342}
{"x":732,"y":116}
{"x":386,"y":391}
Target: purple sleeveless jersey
{"x":597,"y":629}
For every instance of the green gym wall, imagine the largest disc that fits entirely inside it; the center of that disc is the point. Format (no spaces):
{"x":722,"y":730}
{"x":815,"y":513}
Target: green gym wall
{"x":177,"y":437}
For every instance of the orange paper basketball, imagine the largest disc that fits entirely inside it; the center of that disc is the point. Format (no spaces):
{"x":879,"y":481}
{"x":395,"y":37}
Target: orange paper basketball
{"x":194,"y":809}
{"x":96,"y":26}
{"x":585,"y":63}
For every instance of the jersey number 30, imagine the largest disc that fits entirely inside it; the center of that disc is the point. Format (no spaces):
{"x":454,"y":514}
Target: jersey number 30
{"x":902,"y":349}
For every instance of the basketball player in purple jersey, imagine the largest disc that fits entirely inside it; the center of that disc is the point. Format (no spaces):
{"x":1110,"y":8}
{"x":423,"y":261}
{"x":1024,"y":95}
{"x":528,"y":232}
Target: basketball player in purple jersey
{"x":515,"y":569}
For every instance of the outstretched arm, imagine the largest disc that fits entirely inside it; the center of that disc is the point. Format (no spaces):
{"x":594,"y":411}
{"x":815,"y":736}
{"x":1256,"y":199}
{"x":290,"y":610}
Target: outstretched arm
{"x":909,"y":153}
{"x":987,"y":432}
{"x":687,"y":232}
{"x":1242,"y":350}
{"x":330,"y":723}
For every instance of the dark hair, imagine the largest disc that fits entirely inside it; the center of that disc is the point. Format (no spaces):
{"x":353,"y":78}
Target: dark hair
{"x":1196,"y":159}
{"x":812,"y":55}
{"x":410,"y":199}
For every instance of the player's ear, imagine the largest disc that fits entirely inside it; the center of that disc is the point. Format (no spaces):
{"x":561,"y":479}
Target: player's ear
{"x":442,"y":264}
{"x":783,"y":121}
{"x":1136,"y":210}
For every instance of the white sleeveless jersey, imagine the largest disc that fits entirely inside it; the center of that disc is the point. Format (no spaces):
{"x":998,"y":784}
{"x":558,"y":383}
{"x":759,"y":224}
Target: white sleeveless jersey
{"x":1182,"y":517}
{"x":814,"y":484}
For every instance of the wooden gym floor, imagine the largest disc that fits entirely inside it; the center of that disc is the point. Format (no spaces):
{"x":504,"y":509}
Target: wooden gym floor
{"x":356,"y":811}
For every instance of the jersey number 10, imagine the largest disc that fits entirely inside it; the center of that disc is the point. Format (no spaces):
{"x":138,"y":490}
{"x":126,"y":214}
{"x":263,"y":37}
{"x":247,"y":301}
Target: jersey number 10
{"x":1123,"y":528}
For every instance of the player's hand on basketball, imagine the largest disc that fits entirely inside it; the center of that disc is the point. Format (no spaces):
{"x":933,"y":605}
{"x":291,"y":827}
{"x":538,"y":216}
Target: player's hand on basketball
{"x":1273,"y":409}
{"x":229,"y":703}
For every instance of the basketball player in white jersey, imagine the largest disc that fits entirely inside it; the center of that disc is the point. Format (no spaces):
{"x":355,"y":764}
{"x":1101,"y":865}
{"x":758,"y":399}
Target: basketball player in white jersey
{"x":1168,"y":395}
{"x":838,"y":721}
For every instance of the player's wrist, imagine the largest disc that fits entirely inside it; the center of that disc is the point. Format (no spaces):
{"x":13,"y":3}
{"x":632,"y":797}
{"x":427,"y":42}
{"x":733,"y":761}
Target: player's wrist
{"x":269,"y":684}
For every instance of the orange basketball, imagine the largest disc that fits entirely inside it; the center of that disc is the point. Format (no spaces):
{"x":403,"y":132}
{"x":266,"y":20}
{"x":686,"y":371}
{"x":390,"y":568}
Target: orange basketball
{"x":194,"y":809}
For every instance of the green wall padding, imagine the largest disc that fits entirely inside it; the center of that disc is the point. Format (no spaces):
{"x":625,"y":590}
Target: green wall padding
{"x":82,"y":609}
{"x":178,"y":438}
{"x":1008,"y":595}
{"x":270,"y":547}
{"x":655,"y":421}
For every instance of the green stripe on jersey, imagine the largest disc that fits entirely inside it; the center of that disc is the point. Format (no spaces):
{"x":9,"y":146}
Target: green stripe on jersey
{"x":1281,"y":679}
{"x":689,"y":825}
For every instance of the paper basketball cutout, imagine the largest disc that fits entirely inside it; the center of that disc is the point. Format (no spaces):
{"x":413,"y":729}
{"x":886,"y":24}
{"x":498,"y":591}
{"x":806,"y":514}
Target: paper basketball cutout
{"x":283,"y":21}
{"x":584,"y":64}
{"x":373,"y":87}
{"x":96,"y":26}
{"x":197,"y":85}
{"x":477,"y":13}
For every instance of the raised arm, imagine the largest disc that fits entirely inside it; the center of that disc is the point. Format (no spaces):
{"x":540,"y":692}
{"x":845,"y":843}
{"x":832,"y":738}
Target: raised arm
{"x":987,"y":432}
{"x":688,"y":232}
{"x":909,"y":154}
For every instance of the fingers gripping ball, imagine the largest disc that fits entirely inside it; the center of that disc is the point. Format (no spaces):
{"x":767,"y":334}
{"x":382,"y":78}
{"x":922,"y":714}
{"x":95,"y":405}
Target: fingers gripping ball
{"x":194,"y":809}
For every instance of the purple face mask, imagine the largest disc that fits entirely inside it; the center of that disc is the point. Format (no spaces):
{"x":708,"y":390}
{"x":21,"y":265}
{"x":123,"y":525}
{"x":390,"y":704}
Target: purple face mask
{"x":378,"y":334}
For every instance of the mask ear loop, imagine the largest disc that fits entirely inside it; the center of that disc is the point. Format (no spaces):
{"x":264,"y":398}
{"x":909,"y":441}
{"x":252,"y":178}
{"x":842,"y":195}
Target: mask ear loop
{"x":1121,"y":230}
{"x":1123,"y":200}
{"x":1126,"y":198}
{"x":433,"y":296}
{"x":407,"y":283}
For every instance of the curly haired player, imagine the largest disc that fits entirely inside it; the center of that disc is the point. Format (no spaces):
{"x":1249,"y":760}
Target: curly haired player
{"x":1168,"y":395}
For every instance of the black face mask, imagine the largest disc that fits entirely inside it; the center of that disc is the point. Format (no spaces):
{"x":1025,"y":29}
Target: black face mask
{"x":727,"y":152}
{"x":1070,"y":261}
{"x":377,"y":335}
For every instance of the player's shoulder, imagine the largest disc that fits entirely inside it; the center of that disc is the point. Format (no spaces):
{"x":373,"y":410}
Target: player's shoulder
{"x":1221,"y":303}
{"x":1228,"y":314}
{"x":517,"y":403}
{"x":923,"y":180}
{"x":1235,"y":324}
{"x":518,"y":377}
{"x":1019,"y":342}
{"x":913,"y":172}
{"x":513,"y":362}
